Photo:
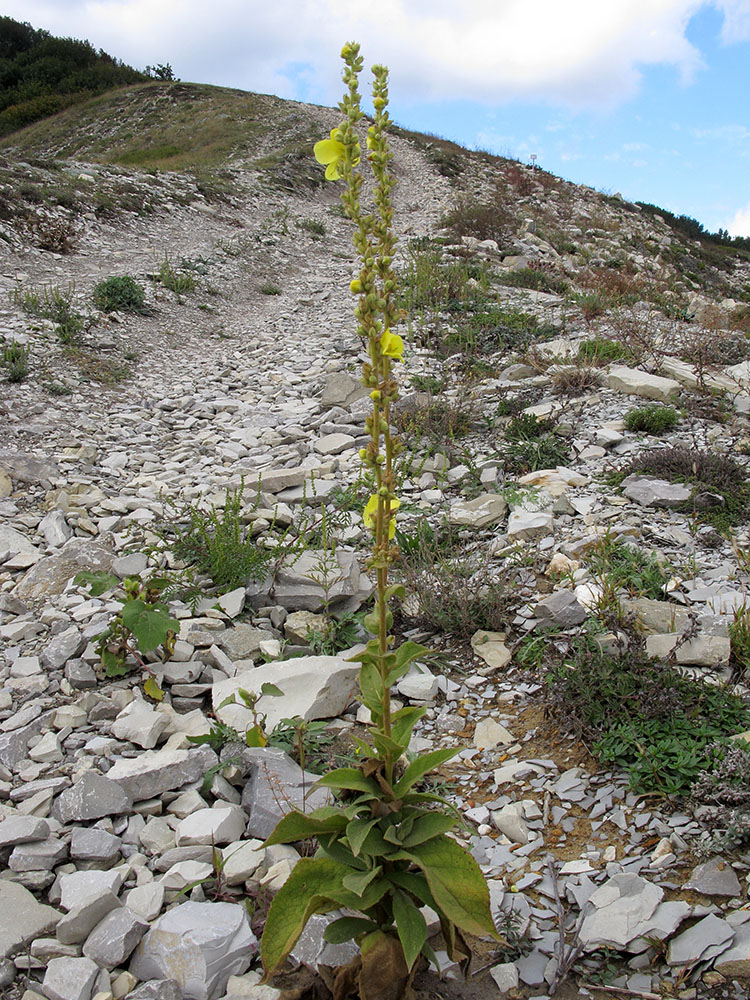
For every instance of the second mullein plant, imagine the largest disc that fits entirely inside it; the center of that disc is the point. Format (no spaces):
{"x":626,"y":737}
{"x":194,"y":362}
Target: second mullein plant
{"x":384,"y":851}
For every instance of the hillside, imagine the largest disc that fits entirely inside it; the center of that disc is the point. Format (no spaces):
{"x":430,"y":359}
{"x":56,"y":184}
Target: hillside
{"x":181,"y":362}
{"x":41,"y":74}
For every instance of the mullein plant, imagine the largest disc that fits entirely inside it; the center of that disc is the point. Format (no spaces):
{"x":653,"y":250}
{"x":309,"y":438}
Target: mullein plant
{"x":384,"y":850}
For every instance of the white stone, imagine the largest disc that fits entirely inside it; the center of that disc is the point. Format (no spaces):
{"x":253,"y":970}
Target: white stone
{"x":220,"y":825}
{"x":241,"y":860}
{"x":638,"y":383}
{"x":140,"y":724}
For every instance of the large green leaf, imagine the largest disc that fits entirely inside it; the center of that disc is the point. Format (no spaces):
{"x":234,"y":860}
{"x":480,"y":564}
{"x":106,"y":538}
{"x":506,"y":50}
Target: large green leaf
{"x":299,"y":826}
{"x":356,"y":832}
{"x":357,"y":882}
{"x":456,"y":883}
{"x":149,"y":623}
{"x":428,"y":826}
{"x":97,"y":583}
{"x":316,"y":885}
{"x":307,"y":890}
{"x":402,"y":657}
{"x":345,"y":928}
{"x":419,"y":767}
{"x":411,"y":927}
{"x":416,"y":884}
{"x":350,"y":778}
{"x":371,"y":687}
{"x":403,"y":722}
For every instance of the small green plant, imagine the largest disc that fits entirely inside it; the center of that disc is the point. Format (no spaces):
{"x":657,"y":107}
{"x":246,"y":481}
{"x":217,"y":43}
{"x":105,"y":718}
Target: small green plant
{"x":15,"y":359}
{"x":429,"y":383}
{"x":337,"y":634}
{"x":739,"y":635}
{"x":383,"y":851}
{"x":269,"y":288}
{"x":314,"y":227}
{"x":121,"y":294}
{"x":601,"y":351}
{"x":627,"y":569}
{"x":651,"y":418}
{"x":217,"y":542}
{"x":178,"y":282}
{"x":720,"y":491}
{"x":255,"y":735}
{"x":437,"y":419}
{"x":531,"y":445}
{"x":309,"y":743}
{"x":54,"y":303}
{"x":540,"y":281}
{"x":722,"y":791}
{"x":141,"y":626}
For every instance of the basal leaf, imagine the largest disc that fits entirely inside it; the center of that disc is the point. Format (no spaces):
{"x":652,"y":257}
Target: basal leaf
{"x":306,"y":891}
{"x":357,"y":882}
{"x":411,"y":927}
{"x":356,"y":831}
{"x":456,"y":883}
{"x":271,"y":690}
{"x":416,"y":884}
{"x":419,"y":767}
{"x":429,"y":826}
{"x":346,"y":928}
{"x":299,"y":826}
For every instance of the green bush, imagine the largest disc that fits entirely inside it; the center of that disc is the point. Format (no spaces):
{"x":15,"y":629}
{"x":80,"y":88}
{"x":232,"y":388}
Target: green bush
{"x":217,"y":542}
{"x":15,"y":359}
{"x":531,"y":277}
{"x":652,"y":418}
{"x":123,"y":294}
{"x":600,"y":351}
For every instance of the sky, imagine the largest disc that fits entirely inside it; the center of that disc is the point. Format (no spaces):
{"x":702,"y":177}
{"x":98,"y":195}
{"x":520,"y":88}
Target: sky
{"x":648,"y":98}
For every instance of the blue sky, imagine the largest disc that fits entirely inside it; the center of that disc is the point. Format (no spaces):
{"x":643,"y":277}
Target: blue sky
{"x":650,"y":98}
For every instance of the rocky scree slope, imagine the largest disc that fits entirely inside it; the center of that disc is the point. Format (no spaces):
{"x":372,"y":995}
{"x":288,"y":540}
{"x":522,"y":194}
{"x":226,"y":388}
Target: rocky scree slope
{"x":529,"y":299}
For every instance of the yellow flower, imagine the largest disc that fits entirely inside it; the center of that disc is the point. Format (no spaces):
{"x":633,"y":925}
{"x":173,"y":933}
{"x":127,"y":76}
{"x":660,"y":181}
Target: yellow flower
{"x":330,"y":152}
{"x":371,"y":508}
{"x":392,"y":345}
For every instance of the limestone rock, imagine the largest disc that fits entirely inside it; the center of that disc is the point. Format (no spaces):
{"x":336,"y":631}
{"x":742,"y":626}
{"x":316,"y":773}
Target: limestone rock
{"x":488,"y":508}
{"x":22,"y":918}
{"x":156,"y":771}
{"x":70,"y":978}
{"x":220,"y":825}
{"x":199,"y":945}
{"x":649,"y":491}
{"x":562,"y":608}
{"x":315,"y":687}
{"x":703,"y":651}
{"x":714,"y":878}
{"x":619,"y":906}
{"x":490,"y":646}
{"x":113,"y":940}
{"x":638,"y":383}
{"x":92,"y":797}
{"x":51,"y":574}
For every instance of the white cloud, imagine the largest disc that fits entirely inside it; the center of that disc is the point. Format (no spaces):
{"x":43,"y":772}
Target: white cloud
{"x":740,"y":224}
{"x":581,"y":53}
{"x":736,"y":27}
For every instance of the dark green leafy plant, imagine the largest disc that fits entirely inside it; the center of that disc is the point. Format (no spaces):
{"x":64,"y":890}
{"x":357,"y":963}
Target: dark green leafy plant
{"x":217,"y":542}
{"x":119,"y":293}
{"x":629,"y":569}
{"x":643,"y":715}
{"x":531,"y":277}
{"x":142,"y":626}
{"x":651,"y":418}
{"x":15,"y":360}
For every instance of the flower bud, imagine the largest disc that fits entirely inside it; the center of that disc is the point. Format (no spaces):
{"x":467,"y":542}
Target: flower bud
{"x":363,"y":454}
{"x":356,"y":286}
{"x":375,"y":395}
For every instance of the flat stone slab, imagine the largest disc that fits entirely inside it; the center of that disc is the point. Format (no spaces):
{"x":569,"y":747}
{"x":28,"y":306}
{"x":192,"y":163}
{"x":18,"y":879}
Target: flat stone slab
{"x":735,"y":961}
{"x":620,"y":907}
{"x":92,"y":797}
{"x":714,"y":878}
{"x":153,"y":772}
{"x":649,"y":491}
{"x":489,"y":508}
{"x":51,"y":574}
{"x":638,"y":383}
{"x":705,"y":940}
{"x":703,"y":651}
{"x":315,"y":687}
{"x":199,"y":945}
{"x":490,"y":646}
{"x":22,"y":918}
